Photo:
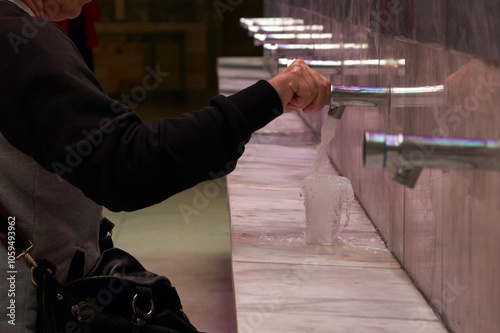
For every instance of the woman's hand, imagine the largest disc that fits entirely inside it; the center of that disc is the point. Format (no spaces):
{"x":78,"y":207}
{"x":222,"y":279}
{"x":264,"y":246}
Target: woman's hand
{"x":300,"y":87}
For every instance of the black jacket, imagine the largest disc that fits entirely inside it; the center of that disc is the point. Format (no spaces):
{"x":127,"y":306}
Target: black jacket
{"x":54,"y":109}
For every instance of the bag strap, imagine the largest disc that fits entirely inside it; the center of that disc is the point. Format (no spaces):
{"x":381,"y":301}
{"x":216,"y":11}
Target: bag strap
{"x":18,"y":244}
{"x":12,"y":236}
{"x":15,"y":240}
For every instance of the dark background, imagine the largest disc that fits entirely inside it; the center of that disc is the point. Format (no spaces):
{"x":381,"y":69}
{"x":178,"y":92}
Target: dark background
{"x":182,"y":37}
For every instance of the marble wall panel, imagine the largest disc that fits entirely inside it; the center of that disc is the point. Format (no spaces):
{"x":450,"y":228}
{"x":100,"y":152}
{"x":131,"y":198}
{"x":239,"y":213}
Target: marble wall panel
{"x":423,"y":233}
{"x":444,"y":231}
{"x":470,"y":299}
{"x":472,"y":27}
{"x":425,"y":66}
{"x":360,"y":12}
{"x":457,"y":258}
{"x":391,"y":218}
{"x":393,"y":17}
{"x":429,"y":22}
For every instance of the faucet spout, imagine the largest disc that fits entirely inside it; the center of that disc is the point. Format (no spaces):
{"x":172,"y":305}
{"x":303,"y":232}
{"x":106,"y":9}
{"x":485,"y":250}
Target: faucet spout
{"x":383,"y":97}
{"x":410,"y":154}
{"x":344,"y":96}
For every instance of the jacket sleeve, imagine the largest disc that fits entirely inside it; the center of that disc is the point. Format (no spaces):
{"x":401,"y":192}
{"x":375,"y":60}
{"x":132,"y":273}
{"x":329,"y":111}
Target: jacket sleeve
{"x":59,"y":114}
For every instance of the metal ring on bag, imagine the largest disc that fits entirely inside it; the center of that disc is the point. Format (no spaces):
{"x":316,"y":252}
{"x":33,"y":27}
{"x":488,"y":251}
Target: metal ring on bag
{"x":150,"y":311}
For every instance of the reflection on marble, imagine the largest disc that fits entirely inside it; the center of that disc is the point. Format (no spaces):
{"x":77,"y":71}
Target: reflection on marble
{"x":444,"y":231}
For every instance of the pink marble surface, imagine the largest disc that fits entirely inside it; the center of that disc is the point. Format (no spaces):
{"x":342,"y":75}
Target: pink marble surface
{"x":445,"y":231}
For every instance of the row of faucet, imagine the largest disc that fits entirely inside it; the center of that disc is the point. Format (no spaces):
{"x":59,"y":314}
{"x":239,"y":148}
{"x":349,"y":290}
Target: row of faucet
{"x":408,"y":153}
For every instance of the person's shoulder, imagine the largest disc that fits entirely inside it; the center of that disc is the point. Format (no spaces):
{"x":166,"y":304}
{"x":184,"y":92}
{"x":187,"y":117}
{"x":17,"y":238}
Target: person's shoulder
{"x":20,"y":31}
{"x":11,"y":16}
{"x":10,"y":9}
{"x":33,"y":37}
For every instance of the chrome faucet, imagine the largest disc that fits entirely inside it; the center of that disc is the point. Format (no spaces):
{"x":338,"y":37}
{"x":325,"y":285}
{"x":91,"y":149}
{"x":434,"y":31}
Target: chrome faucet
{"x":347,"y":67}
{"x":292,"y":38}
{"x":246,"y":22}
{"x":291,"y":28}
{"x":410,"y":154}
{"x":325,"y":67}
{"x":284,"y":50}
{"x":343,"y":96}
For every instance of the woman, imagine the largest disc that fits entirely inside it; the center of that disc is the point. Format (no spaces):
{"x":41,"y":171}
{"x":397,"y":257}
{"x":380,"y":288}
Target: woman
{"x":67,"y":149}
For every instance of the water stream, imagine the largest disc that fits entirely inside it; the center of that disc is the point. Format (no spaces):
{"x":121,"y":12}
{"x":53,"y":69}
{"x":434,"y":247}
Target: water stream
{"x":327,"y":134}
{"x":326,"y":195}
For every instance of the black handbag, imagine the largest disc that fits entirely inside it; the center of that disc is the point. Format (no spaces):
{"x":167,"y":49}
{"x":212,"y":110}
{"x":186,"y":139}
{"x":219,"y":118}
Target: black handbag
{"x":118,"y":296}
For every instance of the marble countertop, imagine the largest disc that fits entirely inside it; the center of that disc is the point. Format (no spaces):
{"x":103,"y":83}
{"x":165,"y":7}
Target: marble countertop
{"x":282,"y":284}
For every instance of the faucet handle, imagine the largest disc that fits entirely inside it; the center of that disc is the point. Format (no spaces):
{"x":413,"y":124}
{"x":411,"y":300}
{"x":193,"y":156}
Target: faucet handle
{"x":408,"y":176}
{"x":381,"y":150}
